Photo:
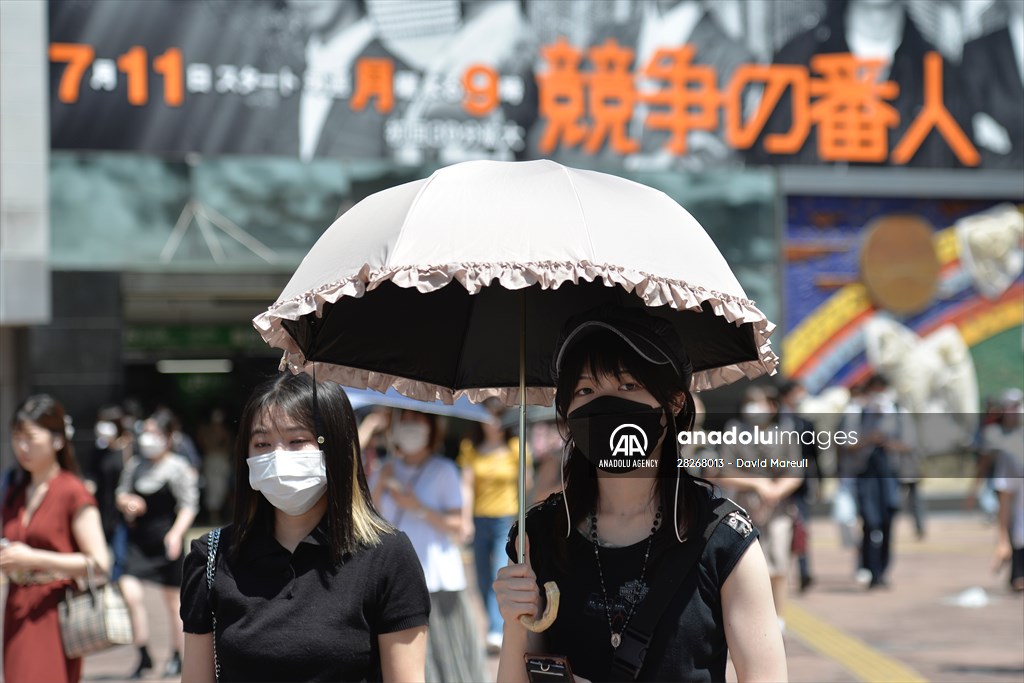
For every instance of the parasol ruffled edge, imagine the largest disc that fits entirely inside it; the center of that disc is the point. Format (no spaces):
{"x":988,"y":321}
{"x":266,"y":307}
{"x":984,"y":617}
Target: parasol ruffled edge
{"x":651,"y":289}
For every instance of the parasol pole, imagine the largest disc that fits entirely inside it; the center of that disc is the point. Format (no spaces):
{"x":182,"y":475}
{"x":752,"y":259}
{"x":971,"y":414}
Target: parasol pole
{"x":551,"y":593}
{"x":521,"y":540}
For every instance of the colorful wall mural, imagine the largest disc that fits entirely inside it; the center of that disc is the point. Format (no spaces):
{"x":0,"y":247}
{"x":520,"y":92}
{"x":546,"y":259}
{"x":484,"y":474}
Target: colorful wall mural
{"x":864,"y":276}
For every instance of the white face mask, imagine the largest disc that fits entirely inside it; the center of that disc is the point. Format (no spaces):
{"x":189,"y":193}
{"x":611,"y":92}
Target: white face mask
{"x":151,"y":446}
{"x":292,"y":481}
{"x":105,"y":429}
{"x":411,"y":437}
{"x":105,"y":432}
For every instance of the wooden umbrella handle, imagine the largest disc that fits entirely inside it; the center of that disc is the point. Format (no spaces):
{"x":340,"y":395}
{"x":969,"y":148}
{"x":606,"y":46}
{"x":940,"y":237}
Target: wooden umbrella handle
{"x":550,"y":610}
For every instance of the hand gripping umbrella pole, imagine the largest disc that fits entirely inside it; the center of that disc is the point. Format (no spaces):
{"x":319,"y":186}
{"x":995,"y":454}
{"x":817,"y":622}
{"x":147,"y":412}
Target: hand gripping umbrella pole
{"x":535,"y":624}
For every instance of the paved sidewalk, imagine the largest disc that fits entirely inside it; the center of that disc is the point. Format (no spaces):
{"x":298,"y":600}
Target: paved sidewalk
{"x":945,"y":616}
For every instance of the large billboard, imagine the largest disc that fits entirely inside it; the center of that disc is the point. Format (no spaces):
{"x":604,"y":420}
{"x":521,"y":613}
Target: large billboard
{"x":637,"y":85}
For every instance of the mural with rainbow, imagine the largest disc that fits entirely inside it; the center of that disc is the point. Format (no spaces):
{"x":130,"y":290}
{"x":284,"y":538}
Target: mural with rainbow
{"x":921,"y":265}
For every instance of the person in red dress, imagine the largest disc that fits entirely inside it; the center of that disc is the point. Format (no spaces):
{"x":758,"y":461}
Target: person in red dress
{"x":52,"y":531}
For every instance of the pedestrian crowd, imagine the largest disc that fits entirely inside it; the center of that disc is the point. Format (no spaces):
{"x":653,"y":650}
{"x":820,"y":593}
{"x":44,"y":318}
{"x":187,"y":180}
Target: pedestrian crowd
{"x":353,"y":546}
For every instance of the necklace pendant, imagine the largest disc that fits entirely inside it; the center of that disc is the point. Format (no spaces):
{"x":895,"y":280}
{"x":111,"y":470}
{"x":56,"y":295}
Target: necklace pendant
{"x":616,"y":641}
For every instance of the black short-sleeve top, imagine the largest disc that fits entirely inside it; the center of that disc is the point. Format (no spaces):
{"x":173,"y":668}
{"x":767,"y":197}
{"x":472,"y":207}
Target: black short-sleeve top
{"x":689,"y":641}
{"x":285,"y":616}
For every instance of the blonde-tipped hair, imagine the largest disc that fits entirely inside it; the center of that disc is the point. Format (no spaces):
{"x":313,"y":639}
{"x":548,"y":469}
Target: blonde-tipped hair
{"x":367,"y":524}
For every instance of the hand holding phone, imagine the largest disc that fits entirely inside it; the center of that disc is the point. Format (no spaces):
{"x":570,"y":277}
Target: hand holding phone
{"x":548,"y":668}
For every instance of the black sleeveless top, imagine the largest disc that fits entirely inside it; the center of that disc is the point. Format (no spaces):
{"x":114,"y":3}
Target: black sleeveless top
{"x":689,"y":642}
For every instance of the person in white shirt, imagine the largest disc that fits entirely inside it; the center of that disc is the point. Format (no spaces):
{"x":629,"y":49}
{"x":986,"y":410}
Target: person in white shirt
{"x":419,"y":493}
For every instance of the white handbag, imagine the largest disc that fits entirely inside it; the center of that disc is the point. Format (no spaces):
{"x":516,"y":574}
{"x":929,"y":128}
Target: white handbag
{"x":93,"y":619}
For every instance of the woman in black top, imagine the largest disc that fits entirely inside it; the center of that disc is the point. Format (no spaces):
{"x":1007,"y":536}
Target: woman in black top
{"x":626,"y":514}
{"x":310,"y":583}
{"x":159,"y":497}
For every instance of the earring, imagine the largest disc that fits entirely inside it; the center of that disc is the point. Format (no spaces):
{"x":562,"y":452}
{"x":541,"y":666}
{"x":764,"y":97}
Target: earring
{"x":675,"y":508}
{"x":675,"y":498}
{"x":561,"y":474}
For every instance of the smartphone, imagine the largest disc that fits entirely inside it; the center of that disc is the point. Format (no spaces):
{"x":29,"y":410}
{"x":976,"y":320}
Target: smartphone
{"x":547,"y":668}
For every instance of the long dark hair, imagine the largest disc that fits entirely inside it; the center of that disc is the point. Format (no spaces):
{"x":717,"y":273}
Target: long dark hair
{"x":351,"y":518}
{"x":166,"y":423}
{"x":47,"y":412}
{"x":605,"y":353}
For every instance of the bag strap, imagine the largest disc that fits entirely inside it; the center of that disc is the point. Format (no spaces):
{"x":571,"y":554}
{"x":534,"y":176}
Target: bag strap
{"x":91,"y":585}
{"x":90,"y":575}
{"x":90,"y":572}
{"x":628,"y":658}
{"x":211,"y":570}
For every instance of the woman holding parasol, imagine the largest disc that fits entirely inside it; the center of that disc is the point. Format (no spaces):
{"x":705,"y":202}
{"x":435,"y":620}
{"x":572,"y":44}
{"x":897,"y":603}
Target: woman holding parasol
{"x":625,"y":522}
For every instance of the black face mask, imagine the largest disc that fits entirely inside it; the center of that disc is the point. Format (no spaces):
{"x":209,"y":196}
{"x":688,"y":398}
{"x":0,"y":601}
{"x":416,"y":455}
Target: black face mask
{"x":617,"y":435}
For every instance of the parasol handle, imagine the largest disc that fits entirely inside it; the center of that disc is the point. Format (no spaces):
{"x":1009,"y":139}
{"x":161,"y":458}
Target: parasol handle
{"x":550,"y":588}
{"x":550,"y":610}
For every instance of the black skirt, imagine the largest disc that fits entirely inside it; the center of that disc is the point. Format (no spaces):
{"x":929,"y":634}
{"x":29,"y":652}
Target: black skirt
{"x":153,"y":567}
{"x":147,"y":558}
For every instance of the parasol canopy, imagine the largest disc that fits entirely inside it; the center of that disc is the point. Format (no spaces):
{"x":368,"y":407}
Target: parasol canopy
{"x":431,"y":287}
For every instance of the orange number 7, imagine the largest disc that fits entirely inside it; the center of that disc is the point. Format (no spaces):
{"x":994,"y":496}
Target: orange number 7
{"x":78,"y":57}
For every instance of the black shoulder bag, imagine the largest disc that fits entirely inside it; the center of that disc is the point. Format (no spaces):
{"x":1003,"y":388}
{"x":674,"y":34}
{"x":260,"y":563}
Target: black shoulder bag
{"x":629,"y":656}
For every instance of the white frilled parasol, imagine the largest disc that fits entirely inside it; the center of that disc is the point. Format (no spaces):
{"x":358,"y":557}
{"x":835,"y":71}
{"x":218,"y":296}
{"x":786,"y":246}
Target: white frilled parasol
{"x":420,"y":286}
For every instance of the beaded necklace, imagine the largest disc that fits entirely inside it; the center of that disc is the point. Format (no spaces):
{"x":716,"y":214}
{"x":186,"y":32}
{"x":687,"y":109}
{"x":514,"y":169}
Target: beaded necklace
{"x":617,"y":637}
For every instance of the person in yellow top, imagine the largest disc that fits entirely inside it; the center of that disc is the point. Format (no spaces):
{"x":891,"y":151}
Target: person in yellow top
{"x":490,"y":475}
